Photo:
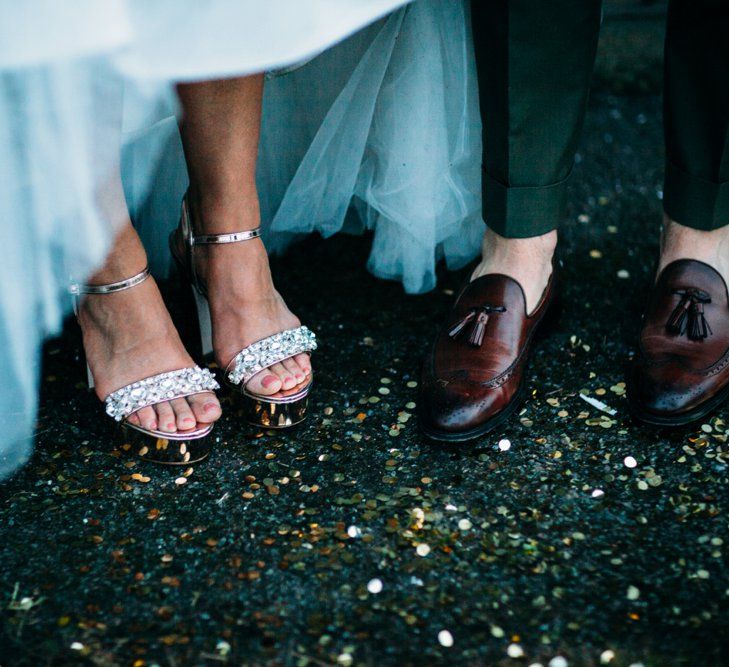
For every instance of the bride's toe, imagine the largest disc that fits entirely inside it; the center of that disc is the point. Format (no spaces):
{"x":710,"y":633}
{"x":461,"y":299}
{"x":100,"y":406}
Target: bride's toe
{"x":165,"y":417}
{"x":205,"y":407}
{"x":294,"y":369}
{"x":147,"y":418}
{"x":264,"y":383}
{"x":287,"y":379}
{"x":183,"y":414}
{"x":304,"y":362}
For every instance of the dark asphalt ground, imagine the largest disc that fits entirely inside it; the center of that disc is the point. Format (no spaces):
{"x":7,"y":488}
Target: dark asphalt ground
{"x":275,"y":549}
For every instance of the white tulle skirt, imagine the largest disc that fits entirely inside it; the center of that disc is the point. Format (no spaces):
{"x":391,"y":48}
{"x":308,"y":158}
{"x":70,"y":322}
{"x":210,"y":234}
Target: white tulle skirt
{"x":64,"y":70}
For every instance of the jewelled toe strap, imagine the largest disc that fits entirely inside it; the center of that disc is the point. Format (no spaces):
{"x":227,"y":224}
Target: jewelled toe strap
{"x":163,"y":387}
{"x":269,"y":351}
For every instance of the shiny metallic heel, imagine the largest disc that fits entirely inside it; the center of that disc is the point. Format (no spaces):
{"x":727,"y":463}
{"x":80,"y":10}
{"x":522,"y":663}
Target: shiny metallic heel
{"x":180,"y":448}
{"x":204,"y":322}
{"x":287,"y":407}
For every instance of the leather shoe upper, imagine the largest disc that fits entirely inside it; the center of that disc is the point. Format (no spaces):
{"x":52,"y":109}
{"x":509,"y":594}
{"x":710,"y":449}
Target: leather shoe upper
{"x":683,"y":356}
{"x":475,"y":367}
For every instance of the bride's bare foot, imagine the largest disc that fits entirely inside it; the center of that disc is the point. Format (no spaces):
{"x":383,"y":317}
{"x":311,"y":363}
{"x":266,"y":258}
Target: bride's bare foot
{"x":528,"y":261}
{"x":680,"y":242}
{"x":129,"y":336}
{"x":244,"y":304}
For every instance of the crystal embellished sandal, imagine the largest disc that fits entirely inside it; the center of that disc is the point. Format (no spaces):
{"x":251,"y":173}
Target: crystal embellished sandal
{"x":179,"y":448}
{"x":281,"y":410}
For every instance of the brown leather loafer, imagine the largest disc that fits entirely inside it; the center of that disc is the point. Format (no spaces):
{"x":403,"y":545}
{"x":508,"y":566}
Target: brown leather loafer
{"x":681,"y":371}
{"x":473,"y":377}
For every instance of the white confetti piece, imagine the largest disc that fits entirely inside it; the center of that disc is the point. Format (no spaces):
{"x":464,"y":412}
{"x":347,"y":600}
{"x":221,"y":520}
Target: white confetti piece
{"x":374,"y":586}
{"x":515,"y":651}
{"x":604,"y":407}
{"x":445,"y":638}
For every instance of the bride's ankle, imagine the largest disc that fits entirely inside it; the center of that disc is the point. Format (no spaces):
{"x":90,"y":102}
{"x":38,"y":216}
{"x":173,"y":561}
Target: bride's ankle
{"x":126,"y":259}
{"x":116,"y":315}
{"x":224,"y":208}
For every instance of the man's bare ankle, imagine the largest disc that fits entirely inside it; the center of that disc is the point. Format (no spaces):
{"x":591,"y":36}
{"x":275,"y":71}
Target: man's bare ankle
{"x":536,"y":248}
{"x":682,"y":242}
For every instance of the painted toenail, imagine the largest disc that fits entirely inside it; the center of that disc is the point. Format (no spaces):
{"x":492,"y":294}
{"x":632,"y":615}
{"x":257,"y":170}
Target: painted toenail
{"x":210,"y":407}
{"x":268,"y":380}
{"x":171,"y":425}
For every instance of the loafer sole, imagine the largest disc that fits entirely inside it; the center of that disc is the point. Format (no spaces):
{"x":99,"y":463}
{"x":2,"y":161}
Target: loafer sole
{"x":484,"y":429}
{"x":680,"y":418}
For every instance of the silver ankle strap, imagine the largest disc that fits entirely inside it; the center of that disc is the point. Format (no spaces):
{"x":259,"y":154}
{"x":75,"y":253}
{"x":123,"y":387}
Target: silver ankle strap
{"x":77,"y":289}
{"x":212,"y":239}
{"x":110,"y":288}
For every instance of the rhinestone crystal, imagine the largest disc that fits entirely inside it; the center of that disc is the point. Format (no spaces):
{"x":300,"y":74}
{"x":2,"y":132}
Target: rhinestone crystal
{"x":174,"y":384}
{"x":268,"y":351}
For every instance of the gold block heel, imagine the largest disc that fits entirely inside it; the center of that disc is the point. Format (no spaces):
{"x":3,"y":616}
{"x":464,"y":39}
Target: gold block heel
{"x":282,"y":410}
{"x":180,"y":448}
{"x":172,"y":449}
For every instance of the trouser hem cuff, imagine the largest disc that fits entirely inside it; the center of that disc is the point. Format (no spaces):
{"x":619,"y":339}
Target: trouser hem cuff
{"x":695,"y":202}
{"x":522,"y":212}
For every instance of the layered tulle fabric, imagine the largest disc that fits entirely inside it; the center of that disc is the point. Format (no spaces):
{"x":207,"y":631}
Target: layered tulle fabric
{"x":63,"y":67}
{"x":396,"y":133}
{"x":380,"y":132}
